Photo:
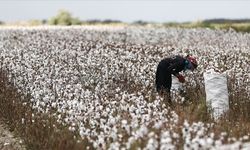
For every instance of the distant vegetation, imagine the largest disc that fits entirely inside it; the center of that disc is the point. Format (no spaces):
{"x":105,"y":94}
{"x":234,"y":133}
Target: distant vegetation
{"x":64,"y":17}
{"x":223,"y":21}
{"x":96,"y":21}
{"x":239,"y":27}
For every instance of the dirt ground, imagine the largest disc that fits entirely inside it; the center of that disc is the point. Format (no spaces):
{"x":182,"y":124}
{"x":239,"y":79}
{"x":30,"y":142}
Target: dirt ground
{"x":8,"y":141}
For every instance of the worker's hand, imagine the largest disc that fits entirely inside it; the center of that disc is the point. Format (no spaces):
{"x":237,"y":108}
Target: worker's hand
{"x":181,"y":78}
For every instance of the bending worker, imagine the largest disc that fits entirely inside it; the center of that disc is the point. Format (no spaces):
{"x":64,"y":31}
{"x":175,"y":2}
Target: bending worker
{"x":172,"y":65}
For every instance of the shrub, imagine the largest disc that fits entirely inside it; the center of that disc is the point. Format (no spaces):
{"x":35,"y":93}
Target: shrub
{"x":64,"y":18}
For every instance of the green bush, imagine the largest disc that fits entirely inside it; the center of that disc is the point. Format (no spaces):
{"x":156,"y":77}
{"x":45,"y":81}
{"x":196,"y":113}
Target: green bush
{"x":64,"y":18}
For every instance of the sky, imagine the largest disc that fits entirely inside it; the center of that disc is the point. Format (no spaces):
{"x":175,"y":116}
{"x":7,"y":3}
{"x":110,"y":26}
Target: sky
{"x":126,"y":10}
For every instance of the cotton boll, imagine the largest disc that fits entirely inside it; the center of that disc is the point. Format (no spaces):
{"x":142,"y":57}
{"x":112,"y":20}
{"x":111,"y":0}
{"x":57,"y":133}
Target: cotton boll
{"x":72,"y":129}
{"x":166,"y":138}
{"x":158,"y":124}
{"x":218,"y":143}
{"x":210,"y":141}
{"x":176,"y":135}
{"x":114,"y":146}
{"x":200,"y":133}
{"x":152,"y":144}
{"x":245,"y":137}
{"x":130,"y":142}
{"x":203,"y":143}
{"x":112,"y":121}
{"x":124,"y":122}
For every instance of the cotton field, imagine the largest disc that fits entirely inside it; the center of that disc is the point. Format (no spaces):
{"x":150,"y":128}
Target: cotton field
{"x":100,"y":81}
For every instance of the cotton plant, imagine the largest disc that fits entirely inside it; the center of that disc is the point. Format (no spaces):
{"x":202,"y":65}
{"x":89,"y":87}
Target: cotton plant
{"x":100,"y":79}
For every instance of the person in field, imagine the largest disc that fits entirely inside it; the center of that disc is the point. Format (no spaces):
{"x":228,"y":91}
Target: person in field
{"x":172,"y":66}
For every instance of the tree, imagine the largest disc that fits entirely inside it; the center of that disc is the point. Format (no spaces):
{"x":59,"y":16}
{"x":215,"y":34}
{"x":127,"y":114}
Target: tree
{"x":64,"y":18}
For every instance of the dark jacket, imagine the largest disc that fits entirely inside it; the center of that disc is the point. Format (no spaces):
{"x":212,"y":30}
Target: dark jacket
{"x":165,"y":69}
{"x":173,"y":65}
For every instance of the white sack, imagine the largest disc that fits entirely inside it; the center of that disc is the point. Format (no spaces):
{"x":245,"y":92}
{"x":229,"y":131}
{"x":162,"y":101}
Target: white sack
{"x":216,"y":92}
{"x":176,"y":85}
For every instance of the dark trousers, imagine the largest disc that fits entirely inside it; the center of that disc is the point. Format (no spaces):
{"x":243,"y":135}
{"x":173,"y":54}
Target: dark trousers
{"x":163,"y":83}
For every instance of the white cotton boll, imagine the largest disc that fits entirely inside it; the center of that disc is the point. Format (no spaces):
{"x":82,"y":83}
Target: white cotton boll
{"x":202,"y":143}
{"x":95,"y":144}
{"x":137,"y":111}
{"x":182,"y":99}
{"x":147,"y":82}
{"x":124,"y":107}
{"x":165,"y":134}
{"x":187,"y":138}
{"x":200,"y":133}
{"x":224,"y":134}
{"x":142,"y":131}
{"x":236,"y":145}
{"x":195,"y":145}
{"x":175,"y":135}
{"x":174,"y":118}
{"x":75,"y":103}
{"x":114,"y":146}
{"x":97,"y":115}
{"x":131,"y":140}
{"x":54,"y":104}
{"x":101,"y":142}
{"x":151,"y":134}
{"x":113,"y":135}
{"x":132,"y":109}
{"x":210,"y":141}
{"x":105,"y":114}
{"x":218,"y":143}
{"x":216,"y":64}
{"x":91,"y":81}
{"x":246,"y":137}
{"x":117,"y":89}
{"x":82,"y":106}
{"x":186,"y":124}
{"x":168,"y":147}
{"x":158,"y":124}
{"x":107,"y":109}
{"x":127,"y":128}
{"x":72,"y":129}
{"x":124,"y":122}
{"x":152,"y":144}
{"x":166,"y":140}
{"x":212,"y":135}
{"x":185,"y":131}
{"x":112,"y":121}
{"x":41,"y":103}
